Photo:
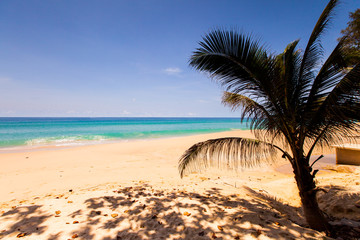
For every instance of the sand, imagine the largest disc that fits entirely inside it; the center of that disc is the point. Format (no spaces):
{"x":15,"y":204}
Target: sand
{"x":132,"y":190}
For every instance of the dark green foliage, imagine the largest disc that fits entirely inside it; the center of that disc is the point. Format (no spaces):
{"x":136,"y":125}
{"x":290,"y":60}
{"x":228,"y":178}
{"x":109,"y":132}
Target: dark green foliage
{"x":352,"y":37}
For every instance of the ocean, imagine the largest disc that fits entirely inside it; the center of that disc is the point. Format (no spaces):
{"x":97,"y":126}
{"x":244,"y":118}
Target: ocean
{"x":36,"y":132}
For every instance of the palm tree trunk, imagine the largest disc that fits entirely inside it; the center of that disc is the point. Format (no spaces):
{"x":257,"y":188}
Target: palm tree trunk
{"x":307,"y":191}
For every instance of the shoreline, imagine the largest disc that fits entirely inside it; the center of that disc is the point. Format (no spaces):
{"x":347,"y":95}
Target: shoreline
{"x":133,"y":190}
{"x":23,"y":134}
{"x":55,"y":169}
{"x":82,"y":143}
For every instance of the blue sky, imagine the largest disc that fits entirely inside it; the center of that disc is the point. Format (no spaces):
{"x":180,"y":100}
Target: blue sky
{"x":129,"y":58}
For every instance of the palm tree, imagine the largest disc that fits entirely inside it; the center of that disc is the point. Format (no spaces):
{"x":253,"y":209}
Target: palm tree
{"x":289,"y":96}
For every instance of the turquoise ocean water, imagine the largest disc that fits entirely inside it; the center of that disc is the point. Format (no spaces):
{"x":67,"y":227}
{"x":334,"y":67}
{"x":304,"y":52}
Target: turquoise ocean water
{"x":33,"y":132}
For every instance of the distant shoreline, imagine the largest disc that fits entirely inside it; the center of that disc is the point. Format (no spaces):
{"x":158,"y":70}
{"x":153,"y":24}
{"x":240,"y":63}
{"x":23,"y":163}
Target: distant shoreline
{"x":35,"y":148}
{"x":37,"y":132}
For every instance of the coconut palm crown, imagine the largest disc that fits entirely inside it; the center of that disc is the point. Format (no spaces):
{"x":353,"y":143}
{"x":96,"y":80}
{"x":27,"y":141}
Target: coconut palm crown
{"x":296,"y":96}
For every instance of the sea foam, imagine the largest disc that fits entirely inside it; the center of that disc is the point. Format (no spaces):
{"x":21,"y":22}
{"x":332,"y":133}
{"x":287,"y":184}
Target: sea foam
{"x":65,"y":141}
{"x":33,"y":132}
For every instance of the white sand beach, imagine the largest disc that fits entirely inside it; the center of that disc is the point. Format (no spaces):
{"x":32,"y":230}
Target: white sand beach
{"x":132,"y":190}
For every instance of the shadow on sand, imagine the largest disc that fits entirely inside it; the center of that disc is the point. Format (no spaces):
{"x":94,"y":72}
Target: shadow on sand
{"x":143,"y":212}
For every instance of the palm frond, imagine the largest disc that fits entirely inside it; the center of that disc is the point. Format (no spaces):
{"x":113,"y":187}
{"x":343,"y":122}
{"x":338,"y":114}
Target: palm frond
{"x":237,"y":62}
{"x":265,"y":126}
{"x":243,"y":67}
{"x":249,"y":107}
{"x":258,"y":115}
{"x":340,"y":109}
{"x":291,"y":61}
{"x":314,"y":50}
{"x":335,"y":134}
{"x":329,"y":75}
{"x":228,"y":153}
{"x":289,"y":66}
{"x":331,"y":71}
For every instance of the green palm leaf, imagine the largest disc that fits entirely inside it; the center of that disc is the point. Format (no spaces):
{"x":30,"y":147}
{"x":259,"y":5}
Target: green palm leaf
{"x":257,"y":114}
{"x":339,"y":112}
{"x":332,"y":71}
{"x":314,"y":51}
{"x":243,"y":67}
{"x":230,"y":56}
{"x":288,"y":97}
{"x":225,"y":153}
{"x":288,"y":72}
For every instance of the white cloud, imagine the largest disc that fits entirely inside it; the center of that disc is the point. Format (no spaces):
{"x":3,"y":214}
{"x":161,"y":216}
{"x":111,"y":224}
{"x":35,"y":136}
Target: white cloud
{"x":125,"y":112}
{"x":172,"y":71}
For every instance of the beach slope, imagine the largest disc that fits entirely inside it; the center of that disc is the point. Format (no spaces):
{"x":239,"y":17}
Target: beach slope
{"x":132,"y":190}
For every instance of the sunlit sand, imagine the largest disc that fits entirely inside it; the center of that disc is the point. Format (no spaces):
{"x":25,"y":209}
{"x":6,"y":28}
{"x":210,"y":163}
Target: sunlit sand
{"x":132,"y":190}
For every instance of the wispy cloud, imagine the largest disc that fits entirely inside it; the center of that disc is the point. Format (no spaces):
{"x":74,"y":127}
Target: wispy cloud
{"x":191,"y":114}
{"x":172,"y":71}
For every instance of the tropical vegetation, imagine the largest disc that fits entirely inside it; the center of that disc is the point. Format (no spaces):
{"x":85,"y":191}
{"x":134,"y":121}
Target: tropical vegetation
{"x":352,"y":37}
{"x":296,"y":101}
